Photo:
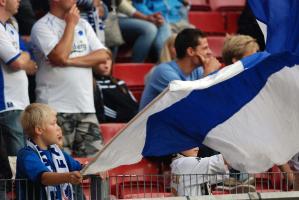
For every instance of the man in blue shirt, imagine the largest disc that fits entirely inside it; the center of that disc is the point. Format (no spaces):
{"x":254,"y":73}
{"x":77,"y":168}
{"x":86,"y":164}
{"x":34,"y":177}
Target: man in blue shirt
{"x":193,"y":51}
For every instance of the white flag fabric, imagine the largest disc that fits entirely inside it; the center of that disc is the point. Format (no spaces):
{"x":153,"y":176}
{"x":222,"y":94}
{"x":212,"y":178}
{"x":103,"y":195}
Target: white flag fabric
{"x":248,"y":111}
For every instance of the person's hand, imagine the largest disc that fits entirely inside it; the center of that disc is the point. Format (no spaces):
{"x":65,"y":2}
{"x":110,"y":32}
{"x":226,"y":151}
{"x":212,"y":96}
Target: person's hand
{"x":31,"y":68}
{"x":159,"y":19}
{"x":73,"y":16}
{"x":74,"y":177}
{"x":210,"y":64}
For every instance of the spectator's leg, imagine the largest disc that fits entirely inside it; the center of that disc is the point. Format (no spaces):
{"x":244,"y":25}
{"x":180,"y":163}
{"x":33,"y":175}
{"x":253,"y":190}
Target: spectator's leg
{"x":164,"y":32}
{"x":142,"y":32}
{"x":88,"y":140}
{"x":13,"y":135}
{"x":67,"y":122}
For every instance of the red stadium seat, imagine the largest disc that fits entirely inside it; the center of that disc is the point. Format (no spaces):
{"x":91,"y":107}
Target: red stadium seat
{"x":137,"y":180}
{"x":208,"y":22}
{"x":227,"y":5}
{"x":133,"y":74}
{"x":232,"y":21}
{"x":216,"y":45}
{"x":200,"y":5}
{"x":109,"y":130}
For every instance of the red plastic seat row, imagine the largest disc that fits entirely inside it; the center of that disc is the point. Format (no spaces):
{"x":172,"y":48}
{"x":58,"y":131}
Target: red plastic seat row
{"x":215,"y":23}
{"x":134,"y":75}
{"x":218,"y":5}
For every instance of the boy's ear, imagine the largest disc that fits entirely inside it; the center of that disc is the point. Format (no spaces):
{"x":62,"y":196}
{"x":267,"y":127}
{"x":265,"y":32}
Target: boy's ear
{"x":38,"y":130}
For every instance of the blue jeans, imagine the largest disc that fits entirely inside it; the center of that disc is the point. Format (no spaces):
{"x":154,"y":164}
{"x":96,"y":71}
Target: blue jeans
{"x":164,"y":32}
{"x":142,"y":33}
{"x":11,"y":132}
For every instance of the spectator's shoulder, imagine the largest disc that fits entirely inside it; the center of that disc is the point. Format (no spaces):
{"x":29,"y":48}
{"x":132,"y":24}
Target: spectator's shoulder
{"x":25,"y":152}
{"x":41,"y":22}
{"x":163,"y":68}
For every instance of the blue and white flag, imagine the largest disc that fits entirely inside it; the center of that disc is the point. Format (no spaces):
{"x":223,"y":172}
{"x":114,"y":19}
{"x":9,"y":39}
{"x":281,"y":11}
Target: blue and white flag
{"x":248,"y":111}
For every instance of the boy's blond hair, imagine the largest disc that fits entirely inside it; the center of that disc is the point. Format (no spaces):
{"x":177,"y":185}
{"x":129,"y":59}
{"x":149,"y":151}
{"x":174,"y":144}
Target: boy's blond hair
{"x":236,"y":46}
{"x":35,"y":115}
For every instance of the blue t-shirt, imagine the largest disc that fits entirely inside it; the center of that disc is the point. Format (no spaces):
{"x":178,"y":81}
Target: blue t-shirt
{"x":162,"y":75}
{"x":30,"y":169}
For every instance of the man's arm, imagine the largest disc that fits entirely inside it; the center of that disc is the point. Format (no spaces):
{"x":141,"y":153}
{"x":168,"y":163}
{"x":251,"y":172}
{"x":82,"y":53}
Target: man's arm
{"x":24,"y":62}
{"x":54,"y":178}
{"x":90,"y":60}
{"x":61,"y":52}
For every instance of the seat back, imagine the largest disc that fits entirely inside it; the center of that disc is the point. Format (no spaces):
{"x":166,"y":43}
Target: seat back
{"x":227,"y":5}
{"x":208,"y":22}
{"x":216,"y":44}
{"x":109,"y":130}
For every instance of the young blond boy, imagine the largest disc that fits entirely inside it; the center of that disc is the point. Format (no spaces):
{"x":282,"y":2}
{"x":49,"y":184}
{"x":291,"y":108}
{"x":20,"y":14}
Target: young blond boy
{"x":49,"y":171}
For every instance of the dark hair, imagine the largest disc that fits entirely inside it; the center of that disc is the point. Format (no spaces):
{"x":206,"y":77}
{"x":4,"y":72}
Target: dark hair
{"x":185,"y":39}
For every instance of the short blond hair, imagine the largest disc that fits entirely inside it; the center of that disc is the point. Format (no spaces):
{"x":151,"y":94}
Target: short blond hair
{"x":236,"y":46}
{"x":35,"y":115}
{"x":165,"y":55}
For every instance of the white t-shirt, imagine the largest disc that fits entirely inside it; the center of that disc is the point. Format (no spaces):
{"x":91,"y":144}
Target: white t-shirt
{"x":13,"y":84}
{"x":191,"y":175}
{"x":67,"y":89}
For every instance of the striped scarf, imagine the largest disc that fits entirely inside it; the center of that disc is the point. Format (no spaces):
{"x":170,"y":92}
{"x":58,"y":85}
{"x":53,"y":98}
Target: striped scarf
{"x":60,"y":165}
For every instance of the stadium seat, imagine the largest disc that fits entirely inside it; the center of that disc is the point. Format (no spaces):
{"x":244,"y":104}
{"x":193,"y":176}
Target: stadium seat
{"x":137,"y":180}
{"x":109,"y":130}
{"x":209,"y":22}
{"x":200,"y":5}
{"x":133,"y":74}
{"x":227,"y":5}
{"x":216,"y":45}
{"x":232,"y":21}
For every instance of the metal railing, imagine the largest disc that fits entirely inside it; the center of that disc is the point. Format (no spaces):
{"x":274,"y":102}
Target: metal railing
{"x":158,"y":186}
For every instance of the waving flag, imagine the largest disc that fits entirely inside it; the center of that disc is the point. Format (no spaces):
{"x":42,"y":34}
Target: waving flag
{"x":248,"y":111}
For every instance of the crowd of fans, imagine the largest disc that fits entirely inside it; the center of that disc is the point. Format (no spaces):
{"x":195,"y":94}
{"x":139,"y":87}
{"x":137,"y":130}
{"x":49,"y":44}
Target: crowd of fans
{"x":70,"y":71}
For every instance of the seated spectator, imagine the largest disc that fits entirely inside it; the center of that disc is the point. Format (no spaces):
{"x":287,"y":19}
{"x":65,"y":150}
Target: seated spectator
{"x":167,"y":54}
{"x":113,"y":100}
{"x":192,"y":50}
{"x":237,"y":47}
{"x":49,"y":172}
{"x":189,"y":173}
{"x":146,"y":31}
{"x":174,"y":12}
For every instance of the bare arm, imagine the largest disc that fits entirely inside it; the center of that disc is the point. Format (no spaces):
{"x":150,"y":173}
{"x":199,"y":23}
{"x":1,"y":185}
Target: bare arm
{"x":24,"y":62}
{"x":90,"y":60}
{"x":60,"y":54}
{"x":54,"y":178}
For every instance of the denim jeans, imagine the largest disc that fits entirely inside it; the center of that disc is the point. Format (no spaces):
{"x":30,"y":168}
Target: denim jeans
{"x":164,"y":32}
{"x":142,"y":33}
{"x":11,"y":131}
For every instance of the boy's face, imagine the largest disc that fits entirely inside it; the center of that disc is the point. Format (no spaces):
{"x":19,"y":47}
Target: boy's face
{"x":51,"y":131}
{"x":60,"y":138}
